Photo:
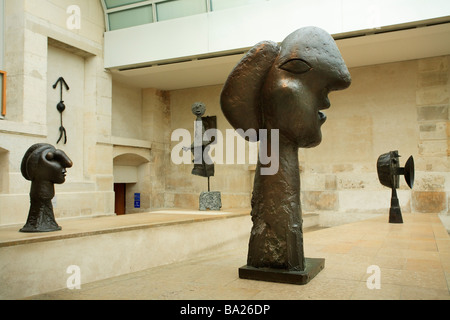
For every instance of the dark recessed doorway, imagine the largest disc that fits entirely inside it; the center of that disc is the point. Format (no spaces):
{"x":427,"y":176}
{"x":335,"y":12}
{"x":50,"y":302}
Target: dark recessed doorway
{"x":120,"y":198}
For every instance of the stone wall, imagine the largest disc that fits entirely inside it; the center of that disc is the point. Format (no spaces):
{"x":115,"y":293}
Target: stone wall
{"x":111,"y":126}
{"x":397,"y":106}
{"x":140,"y":138}
{"x":40,"y":48}
{"x":232,"y":180}
{"x":431,"y":193}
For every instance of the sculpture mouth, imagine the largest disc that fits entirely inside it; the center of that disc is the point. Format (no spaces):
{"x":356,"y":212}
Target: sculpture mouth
{"x":322,"y":117}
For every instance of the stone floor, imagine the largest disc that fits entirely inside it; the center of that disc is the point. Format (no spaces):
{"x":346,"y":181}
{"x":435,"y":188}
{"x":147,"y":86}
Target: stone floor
{"x":413,"y":260}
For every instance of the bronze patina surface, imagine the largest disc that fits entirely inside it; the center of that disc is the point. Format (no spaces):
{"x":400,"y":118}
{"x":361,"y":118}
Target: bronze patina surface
{"x":44,"y":166}
{"x":285,"y":88}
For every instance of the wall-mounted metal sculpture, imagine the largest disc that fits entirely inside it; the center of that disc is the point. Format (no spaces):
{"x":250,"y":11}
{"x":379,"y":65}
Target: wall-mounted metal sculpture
{"x":61,"y":107}
{"x":44,"y":166}
{"x":389,"y":171}
{"x":203,"y":165}
{"x":283,"y":87}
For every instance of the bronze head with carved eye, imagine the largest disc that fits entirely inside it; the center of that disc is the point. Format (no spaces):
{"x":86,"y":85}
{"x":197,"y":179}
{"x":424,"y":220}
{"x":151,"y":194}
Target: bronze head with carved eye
{"x":286,"y":86}
{"x":42,"y":162}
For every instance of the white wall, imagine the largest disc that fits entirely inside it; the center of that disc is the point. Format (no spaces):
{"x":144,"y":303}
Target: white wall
{"x":126,"y":111}
{"x":2,"y":36}
{"x":244,"y":26}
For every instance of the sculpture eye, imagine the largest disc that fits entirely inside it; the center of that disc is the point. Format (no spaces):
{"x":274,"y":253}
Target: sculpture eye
{"x":50,"y":156}
{"x":297,"y":66}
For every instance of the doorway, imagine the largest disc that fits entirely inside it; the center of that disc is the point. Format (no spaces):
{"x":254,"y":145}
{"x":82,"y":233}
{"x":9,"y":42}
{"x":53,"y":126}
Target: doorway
{"x":120,"y":198}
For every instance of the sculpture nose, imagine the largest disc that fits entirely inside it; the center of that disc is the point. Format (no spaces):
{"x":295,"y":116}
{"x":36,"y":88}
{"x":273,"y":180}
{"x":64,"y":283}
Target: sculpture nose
{"x":63,"y":159}
{"x":342,"y":80}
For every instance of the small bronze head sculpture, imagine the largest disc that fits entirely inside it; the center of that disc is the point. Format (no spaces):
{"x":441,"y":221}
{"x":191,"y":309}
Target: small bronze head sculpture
{"x":283,"y":87}
{"x":198,"y":109}
{"x":44,"y":166}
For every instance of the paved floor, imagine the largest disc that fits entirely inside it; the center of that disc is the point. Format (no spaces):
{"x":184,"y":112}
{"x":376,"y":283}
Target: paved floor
{"x":412,"y":261}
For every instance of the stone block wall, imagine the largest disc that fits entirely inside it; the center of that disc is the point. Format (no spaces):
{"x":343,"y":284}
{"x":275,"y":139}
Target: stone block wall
{"x":400,"y":106}
{"x":40,"y":48}
{"x":397,"y":106}
{"x":432,"y":190}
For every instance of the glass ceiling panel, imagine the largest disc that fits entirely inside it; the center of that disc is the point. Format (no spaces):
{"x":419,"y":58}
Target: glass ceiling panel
{"x":131,"y":17}
{"x":129,"y":13}
{"x":176,"y":9}
{"x":117,"y":3}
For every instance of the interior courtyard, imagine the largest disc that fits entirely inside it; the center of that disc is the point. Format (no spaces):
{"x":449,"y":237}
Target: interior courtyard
{"x":131,"y":224}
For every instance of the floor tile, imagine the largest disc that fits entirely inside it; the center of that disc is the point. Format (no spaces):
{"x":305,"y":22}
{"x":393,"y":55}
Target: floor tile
{"x":413,"y":264}
{"x":385,"y":292}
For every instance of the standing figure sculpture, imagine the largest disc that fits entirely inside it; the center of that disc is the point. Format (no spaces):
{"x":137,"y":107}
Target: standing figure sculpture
{"x":283,"y":87}
{"x":44,"y":166}
{"x":203,"y":164}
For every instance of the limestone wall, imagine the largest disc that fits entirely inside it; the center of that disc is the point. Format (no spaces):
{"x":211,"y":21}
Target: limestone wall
{"x":397,"y":106}
{"x":41,"y":46}
{"x":233,"y":180}
{"x":118,"y":133}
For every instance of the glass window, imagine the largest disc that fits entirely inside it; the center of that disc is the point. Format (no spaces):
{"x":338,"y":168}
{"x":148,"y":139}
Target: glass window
{"x":176,"y":9}
{"x":117,"y":3}
{"x":225,"y":4}
{"x":130,"y":18}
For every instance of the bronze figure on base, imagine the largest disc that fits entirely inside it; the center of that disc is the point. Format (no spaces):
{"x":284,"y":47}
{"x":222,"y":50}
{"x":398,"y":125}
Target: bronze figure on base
{"x":389,"y":171}
{"x":284,"y":88}
{"x":44,"y":166}
{"x":203,"y":164}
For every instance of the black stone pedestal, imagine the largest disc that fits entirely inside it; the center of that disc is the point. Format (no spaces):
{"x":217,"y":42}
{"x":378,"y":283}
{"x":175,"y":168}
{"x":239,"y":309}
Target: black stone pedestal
{"x":313,"y":267}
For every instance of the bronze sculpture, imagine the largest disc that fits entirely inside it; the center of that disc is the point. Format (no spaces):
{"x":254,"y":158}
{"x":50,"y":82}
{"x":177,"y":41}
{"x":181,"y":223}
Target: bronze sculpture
{"x":203,"y":164}
{"x":61,"y":107}
{"x":283,"y":87}
{"x":389,"y":171}
{"x":44,"y":166}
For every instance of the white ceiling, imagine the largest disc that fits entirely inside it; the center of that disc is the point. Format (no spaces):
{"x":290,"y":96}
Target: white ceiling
{"x":370,"y":49}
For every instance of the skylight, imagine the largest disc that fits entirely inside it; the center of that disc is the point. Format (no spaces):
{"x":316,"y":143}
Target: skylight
{"x":121,"y":14}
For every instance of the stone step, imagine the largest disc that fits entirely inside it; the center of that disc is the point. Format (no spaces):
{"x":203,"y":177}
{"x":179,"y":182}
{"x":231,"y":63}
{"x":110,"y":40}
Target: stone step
{"x":110,"y":246}
{"x":310,"y":220}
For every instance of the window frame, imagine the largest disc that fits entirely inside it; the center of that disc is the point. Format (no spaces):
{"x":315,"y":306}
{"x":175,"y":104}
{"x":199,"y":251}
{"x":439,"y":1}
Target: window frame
{"x":153,"y":3}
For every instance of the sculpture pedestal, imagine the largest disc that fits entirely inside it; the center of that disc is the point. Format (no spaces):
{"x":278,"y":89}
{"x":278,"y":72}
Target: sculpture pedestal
{"x":40,"y":217}
{"x":210,"y":200}
{"x":313,"y":267}
{"x":395,"y":213}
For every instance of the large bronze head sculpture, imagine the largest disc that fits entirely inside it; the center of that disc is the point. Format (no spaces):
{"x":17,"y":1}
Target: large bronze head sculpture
{"x":44,"y":166}
{"x":284,"y":88}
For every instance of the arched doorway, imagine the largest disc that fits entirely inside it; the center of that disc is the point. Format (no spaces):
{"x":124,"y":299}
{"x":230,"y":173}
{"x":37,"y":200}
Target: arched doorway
{"x":130,"y":175}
